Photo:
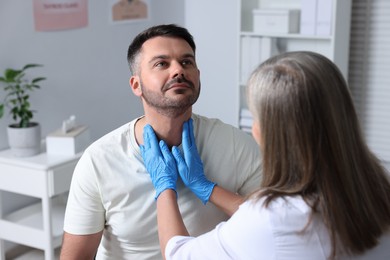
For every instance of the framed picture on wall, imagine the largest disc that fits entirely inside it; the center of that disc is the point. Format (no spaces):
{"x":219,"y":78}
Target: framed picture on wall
{"x":52,"y":15}
{"x":129,"y":11}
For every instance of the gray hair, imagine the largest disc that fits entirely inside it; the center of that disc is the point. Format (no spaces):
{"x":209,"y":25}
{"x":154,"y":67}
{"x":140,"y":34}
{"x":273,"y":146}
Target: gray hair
{"x":313,"y":147}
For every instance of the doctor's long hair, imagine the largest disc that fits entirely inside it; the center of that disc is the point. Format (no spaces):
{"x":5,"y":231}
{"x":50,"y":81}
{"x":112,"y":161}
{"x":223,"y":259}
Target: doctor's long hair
{"x":312,"y":146}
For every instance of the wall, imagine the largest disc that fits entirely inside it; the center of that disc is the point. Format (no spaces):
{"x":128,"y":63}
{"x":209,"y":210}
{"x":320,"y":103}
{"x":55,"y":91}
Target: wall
{"x":86,"y":68}
{"x":215,"y":26}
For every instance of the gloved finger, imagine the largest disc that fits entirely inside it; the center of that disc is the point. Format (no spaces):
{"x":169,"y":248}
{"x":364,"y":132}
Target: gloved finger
{"x":191,"y":132}
{"x":181,"y":164}
{"x":186,"y":142}
{"x":146,"y":136}
{"x":192,"y":135}
{"x":189,"y":145}
{"x":168,"y":157}
{"x":150,"y":139}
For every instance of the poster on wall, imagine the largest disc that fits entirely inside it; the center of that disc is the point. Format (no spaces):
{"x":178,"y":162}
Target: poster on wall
{"x":129,"y":11}
{"x":51,"y":15}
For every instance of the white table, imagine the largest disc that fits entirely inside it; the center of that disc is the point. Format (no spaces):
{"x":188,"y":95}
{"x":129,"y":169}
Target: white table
{"x":42,"y":176}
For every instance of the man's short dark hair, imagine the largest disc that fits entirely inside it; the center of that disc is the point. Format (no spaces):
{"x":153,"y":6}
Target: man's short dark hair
{"x":165,"y":30}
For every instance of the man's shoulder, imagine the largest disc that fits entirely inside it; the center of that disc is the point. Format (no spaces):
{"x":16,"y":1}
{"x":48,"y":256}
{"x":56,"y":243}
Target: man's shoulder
{"x":218,"y":127}
{"x":113,"y":138}
{"x":204,"y":121}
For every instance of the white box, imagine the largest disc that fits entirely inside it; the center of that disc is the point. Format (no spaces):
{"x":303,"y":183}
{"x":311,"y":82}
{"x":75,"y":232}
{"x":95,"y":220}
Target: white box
{"x":69,"y":143}
{"x":276,"y":20}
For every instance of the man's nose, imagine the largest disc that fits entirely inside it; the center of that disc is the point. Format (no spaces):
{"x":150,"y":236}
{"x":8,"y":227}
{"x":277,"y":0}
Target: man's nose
{"x":177,"y":70}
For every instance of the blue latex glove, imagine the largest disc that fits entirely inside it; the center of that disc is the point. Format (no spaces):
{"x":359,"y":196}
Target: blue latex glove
{"x":159,"y":162}
{"x":191,"y":167}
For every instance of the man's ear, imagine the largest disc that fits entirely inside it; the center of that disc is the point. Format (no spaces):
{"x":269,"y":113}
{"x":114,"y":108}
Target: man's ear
{"x":135,"y":85}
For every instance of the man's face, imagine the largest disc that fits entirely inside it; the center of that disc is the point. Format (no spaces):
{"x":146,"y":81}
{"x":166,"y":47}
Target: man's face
{"x":168,"y":75}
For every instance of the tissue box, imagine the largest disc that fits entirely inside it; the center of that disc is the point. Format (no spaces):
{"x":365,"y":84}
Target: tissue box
{"x":276,"y":20}
{"x":70,"y":143}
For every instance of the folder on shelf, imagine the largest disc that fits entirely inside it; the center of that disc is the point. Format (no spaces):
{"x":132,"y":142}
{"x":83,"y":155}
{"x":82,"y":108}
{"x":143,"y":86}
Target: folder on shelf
{"x":246,"y":119}
{"x":324,"y":17}
{"x":268,"y":48}
{"x":246,"y":122}
{"x":308,"y":17}
{"x":255,"y":50}
{"x":245,"y":59}
{"x":244,"y":112}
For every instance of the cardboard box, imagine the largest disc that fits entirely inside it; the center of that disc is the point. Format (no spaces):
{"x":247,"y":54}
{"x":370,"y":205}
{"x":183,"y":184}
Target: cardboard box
{"x":70,"y":143}
{"x":276,"y":21}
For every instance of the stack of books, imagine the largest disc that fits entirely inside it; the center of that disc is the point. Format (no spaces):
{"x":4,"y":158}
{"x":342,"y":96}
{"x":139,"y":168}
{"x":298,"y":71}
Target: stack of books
{"x":246,"y":120}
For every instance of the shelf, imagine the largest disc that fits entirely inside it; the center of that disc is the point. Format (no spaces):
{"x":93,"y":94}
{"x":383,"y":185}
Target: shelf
{"x":35,"y":254}
{"x":31,"y":216}
{"x":47,"y":178}
{"x":42,"y":161}
{"x":29,"y":221}
{"x":287,"y":36}
{"x":255,"y":47}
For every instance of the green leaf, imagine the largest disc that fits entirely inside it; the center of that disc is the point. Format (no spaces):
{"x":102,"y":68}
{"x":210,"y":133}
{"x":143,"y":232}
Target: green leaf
{"x":37,"y":80}
{"x":31,"y":66}
{"x":11,"y":74}
{"x":9,"y":87}
{"x":1,"y":110}
{"x":17,"y":89}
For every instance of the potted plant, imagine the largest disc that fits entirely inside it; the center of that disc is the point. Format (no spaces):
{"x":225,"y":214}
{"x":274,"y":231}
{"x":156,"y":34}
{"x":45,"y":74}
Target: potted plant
{"x":24,"y":136}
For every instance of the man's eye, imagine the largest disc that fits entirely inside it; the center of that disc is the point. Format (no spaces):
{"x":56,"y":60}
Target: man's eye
{"x":187,"y":62}
{"x":161,"y":64}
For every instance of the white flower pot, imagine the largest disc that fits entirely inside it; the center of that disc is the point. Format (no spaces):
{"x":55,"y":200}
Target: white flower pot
{"x":24,"y":142}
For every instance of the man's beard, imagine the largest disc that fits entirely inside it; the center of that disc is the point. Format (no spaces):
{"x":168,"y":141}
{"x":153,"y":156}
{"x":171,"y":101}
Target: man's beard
{"x":169,"y":106}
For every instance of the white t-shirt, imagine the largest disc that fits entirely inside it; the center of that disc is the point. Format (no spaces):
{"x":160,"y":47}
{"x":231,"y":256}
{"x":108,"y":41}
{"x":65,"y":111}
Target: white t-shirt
{"x":112,"y":190}
{"x":256,"y":232}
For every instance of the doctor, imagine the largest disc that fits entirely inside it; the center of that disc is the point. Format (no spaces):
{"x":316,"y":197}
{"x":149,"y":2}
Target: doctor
{"x":324,"y":194}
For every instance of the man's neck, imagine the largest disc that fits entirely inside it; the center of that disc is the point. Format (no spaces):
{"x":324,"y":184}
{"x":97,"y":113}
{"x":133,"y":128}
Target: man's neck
{"x":166,"y":128}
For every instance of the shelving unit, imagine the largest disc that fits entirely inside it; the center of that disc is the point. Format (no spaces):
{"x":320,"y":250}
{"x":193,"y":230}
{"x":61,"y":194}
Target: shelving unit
{"x":31,"y":217}
{"x":46,"y":177}
{"x":335,"y":46}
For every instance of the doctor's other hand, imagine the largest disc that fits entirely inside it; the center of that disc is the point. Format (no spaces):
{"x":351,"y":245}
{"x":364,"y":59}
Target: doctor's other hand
{"x":191,"y":167}
{"x":159,"y":162}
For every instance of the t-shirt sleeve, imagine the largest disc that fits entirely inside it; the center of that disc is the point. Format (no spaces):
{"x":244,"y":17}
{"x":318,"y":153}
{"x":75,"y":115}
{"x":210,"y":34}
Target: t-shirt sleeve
{"x":84,"y":211}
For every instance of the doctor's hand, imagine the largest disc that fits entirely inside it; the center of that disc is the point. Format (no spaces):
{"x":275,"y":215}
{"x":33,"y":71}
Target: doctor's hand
{"x":159,"y":162}
{"x":191,"y":167}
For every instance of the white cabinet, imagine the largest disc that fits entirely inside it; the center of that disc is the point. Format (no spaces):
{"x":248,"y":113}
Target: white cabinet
{"x":331,"y":41}
{"x":43,"y":176}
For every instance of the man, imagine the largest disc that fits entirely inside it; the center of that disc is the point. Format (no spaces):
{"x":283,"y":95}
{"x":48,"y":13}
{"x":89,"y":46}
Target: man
{"x":111,"y":210}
